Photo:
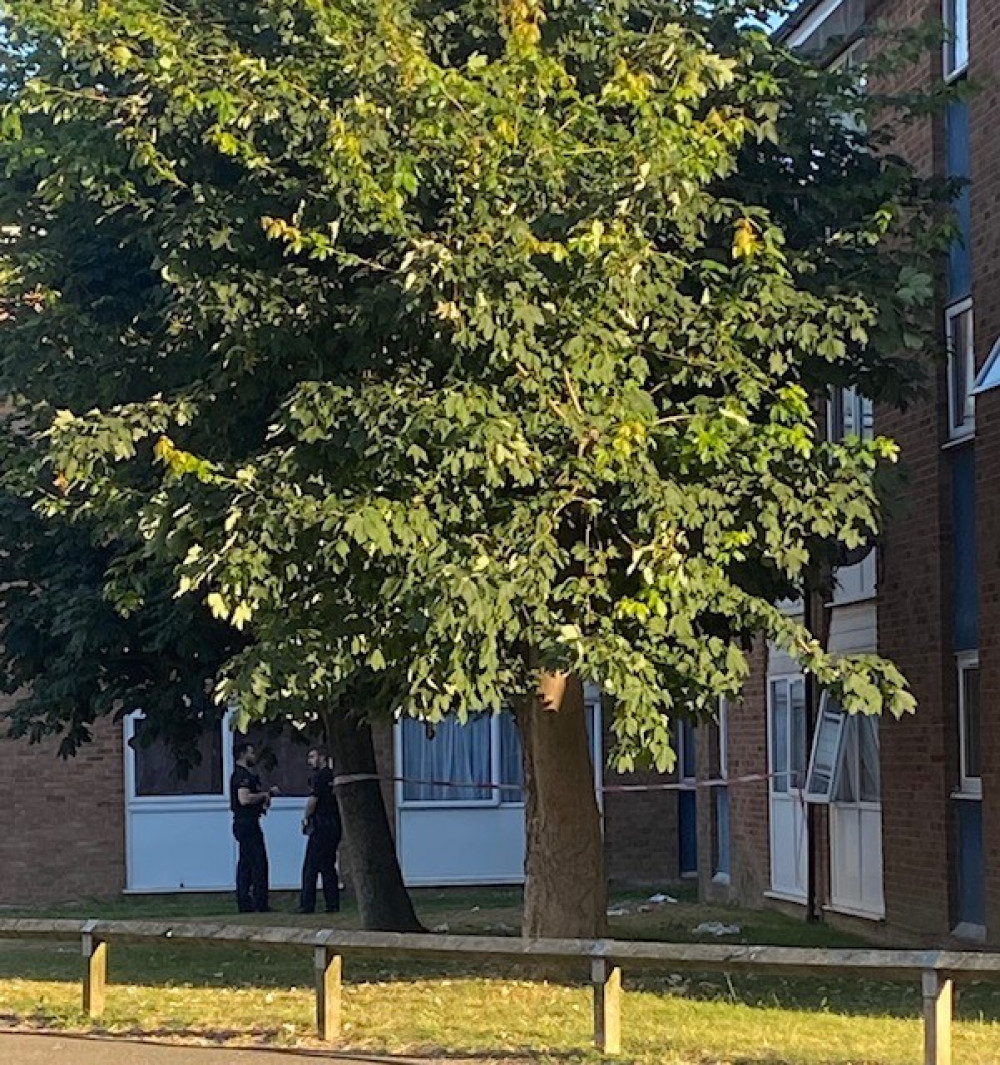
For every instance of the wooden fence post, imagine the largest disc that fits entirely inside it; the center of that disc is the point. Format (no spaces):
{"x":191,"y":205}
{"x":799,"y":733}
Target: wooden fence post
{"x":607,"y":980}
{"x":95,"y":975}
{"x":937,"y":989}
{"x":329,"y":970}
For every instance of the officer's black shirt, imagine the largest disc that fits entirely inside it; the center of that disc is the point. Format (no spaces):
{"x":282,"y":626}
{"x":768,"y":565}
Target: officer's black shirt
{"x":326,"y":816}
{"x":243,"y":778}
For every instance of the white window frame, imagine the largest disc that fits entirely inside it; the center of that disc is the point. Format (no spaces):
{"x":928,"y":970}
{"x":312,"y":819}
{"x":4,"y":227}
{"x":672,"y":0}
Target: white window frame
{"x":829,"y":739}
{"x":723,"y":724}
{"x":198,"y":799}
{"x":788,"y":680}
{"x":969,"y":787}
{"x":495,"y":797}
{"x":988,"y":377}
{"x":967,"y":428}
{"x":862,"y":415}
{"x":686,"y":729}
{"x":955,"y":16}
{"x":592,"y":708}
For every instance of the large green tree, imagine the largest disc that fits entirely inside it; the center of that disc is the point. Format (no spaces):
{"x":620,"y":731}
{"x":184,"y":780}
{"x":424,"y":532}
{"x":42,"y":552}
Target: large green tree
{"x":470,"y":348}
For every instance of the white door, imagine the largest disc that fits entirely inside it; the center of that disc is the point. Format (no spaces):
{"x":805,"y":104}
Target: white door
{"x":856,"y":822}
{"x":786,"y":720}
{"x":460,"y":800}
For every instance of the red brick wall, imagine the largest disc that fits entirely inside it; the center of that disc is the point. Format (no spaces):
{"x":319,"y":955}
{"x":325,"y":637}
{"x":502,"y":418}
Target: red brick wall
{"x":918,"y":753}
{"x":749,"y":831}
{"x":641,"y":843}
{"x":984,"y":25}
{"x":63,"y":821}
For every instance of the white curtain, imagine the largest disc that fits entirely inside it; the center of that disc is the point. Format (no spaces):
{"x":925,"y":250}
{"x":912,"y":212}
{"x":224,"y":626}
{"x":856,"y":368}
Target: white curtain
{"x":456,"y":758}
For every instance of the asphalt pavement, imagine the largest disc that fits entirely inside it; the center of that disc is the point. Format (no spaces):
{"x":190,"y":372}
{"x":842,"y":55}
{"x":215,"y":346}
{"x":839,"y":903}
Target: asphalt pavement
{"x":21,"y":1048}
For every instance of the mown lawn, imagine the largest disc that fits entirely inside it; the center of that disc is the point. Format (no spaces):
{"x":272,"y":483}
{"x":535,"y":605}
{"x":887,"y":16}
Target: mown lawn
{"x":265,"y":996}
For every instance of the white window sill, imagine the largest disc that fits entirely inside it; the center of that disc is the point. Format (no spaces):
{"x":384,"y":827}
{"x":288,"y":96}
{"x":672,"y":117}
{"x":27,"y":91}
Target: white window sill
{"x":854,"y":600}
{"x":786,"y":896}
{"x":959,"y":440}
{"x":854,"y":911}
{"x":968,"y":794}
{"x":721,"y":878}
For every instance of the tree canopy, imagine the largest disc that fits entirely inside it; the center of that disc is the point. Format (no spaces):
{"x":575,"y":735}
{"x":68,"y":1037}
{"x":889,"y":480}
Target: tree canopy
{"x":443,"y":343}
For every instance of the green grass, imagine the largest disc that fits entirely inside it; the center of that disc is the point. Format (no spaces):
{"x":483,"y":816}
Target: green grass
{"x":257,"y":995}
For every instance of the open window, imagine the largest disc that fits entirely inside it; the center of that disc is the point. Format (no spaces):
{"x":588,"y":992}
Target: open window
{"x":960,"y":338}
{"x":825,"y":755}
{"x":970,"y":779}
{"x":955,"y":15}
{"x":844,"y":762}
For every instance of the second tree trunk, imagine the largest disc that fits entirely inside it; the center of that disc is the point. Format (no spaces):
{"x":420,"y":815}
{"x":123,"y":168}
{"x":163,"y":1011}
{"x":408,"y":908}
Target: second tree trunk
{"x":565,"y":890}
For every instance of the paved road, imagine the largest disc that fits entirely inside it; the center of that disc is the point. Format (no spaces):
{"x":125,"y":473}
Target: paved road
{"x":18,"y":1048}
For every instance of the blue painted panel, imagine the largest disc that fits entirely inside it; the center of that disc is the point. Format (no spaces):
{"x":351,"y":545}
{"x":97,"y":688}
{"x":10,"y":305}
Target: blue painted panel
{"x":971,"y":891}
{"x":959,"y":164}
{"x":688,"y":831}
{"x":966,"y":583}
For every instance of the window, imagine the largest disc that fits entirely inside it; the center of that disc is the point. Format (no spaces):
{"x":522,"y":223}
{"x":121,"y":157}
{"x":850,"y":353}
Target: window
{"x":687,"y":753}
{"x":989,"y":375}
{"x":849,"y":414}
{"x":844,"y":765}
{"x":788,"y":734}
{"x":511,"y":760}
{"x":961,"y":370}
{"x":968,"y":724}
{"x":858,"y":777}
{"x":158,"y":772}
{"x":449,"y":762}
{"x":825,"y":753}
{"x":956,"y":45}
{"x":281,"y":751}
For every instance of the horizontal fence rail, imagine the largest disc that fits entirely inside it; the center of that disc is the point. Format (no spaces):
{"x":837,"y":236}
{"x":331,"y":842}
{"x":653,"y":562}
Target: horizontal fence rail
{"x":602,"y":959}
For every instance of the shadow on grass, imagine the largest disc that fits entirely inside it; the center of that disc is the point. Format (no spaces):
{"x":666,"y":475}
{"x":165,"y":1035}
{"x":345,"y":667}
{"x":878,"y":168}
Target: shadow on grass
{"x":218,"y":966}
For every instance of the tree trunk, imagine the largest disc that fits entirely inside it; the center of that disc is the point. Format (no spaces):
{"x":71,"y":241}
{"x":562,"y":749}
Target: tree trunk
{"x":565,"y":890}
{"x":383,"y":901}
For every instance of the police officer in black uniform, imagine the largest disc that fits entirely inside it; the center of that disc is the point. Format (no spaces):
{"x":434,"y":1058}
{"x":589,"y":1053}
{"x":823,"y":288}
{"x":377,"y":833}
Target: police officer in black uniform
{"x":249,"y":802}
{"x":322,"y":826}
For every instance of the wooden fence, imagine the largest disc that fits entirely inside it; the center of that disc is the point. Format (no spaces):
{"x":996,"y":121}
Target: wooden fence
{"x":604,"y":959}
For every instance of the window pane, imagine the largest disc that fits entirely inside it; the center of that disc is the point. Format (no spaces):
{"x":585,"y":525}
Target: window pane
{"x":868,"y":743}
{"x":866,"y":415}
{"x":824,"y":760}
{"x":837,"y":417}
{"x":511,"y":763}
{"x":847,"y":775}
{"x":451,"y":764}
{"x":724,"y":738}
{"x":779,"y":736}
{"x":158,"y":771}
{"x":961,"y":369}
{"x":956,"y":17}
{"x":281,"y":755}
{"x":970,"y":721}
{"x":798,"y":753}
{"x":689,"y":751}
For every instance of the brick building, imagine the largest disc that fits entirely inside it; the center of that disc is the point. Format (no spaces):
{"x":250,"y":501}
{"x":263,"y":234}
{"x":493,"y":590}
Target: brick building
{"x":908,"y":837}
{"x":116,"y":818}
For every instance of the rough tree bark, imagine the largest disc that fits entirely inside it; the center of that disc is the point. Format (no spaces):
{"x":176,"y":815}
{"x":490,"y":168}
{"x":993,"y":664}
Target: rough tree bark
{"x":565,"y":890}
{"x":383,"y":901}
